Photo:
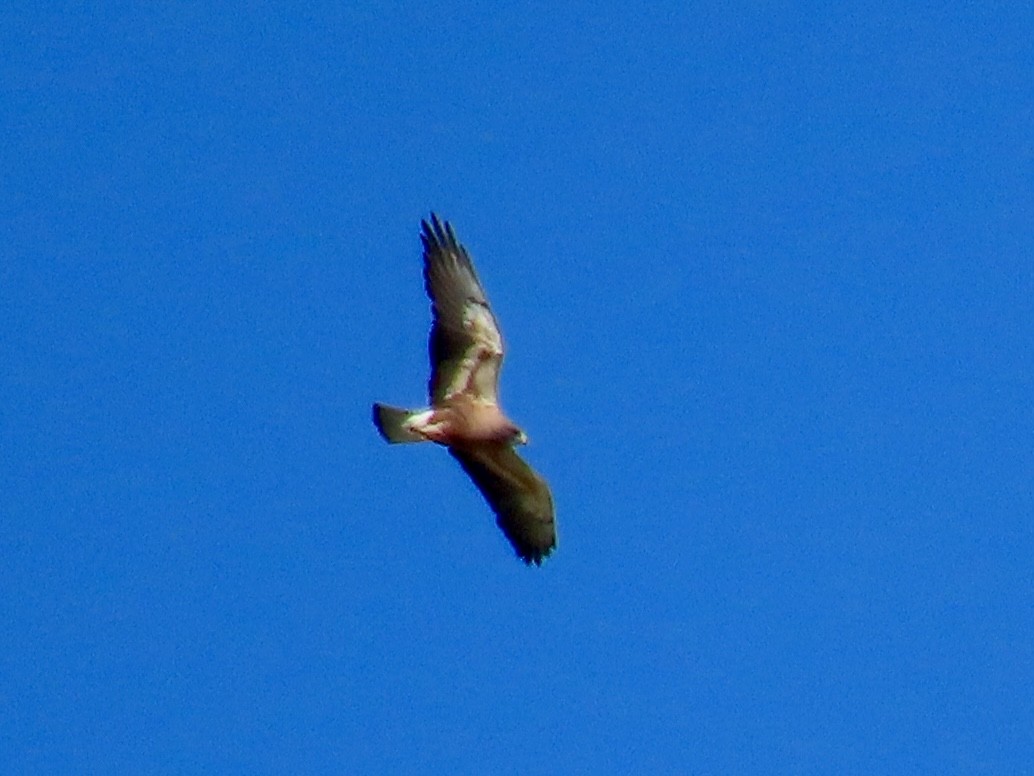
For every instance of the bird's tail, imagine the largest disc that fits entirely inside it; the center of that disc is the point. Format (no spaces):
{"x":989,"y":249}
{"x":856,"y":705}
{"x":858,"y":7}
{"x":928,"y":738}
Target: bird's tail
{"x":393,"y":423}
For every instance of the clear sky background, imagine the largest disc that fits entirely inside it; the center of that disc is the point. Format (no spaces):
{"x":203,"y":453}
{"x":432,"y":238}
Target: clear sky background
{"x":766,"y":273}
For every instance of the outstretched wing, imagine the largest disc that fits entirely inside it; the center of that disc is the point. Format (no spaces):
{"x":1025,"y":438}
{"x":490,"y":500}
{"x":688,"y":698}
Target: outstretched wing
{"x":519,"y":497}
{"x":465,"y":346}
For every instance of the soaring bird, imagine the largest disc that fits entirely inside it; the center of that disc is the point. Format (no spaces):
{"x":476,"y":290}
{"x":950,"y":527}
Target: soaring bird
{"x":466,"y":351}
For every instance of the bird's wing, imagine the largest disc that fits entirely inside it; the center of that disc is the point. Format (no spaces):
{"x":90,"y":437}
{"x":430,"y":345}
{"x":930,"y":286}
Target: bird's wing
{"x":465,"y":346}
{"x":519,"y":497}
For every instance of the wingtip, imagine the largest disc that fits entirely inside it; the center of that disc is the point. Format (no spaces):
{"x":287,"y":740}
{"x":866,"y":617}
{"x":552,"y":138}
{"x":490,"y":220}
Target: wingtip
{"x":436,"y":233}
{"x":431,"y":226}
{"x":535,"y":557}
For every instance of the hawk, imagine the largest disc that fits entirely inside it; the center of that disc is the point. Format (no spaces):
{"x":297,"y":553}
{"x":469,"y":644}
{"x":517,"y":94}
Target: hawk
{"x":466,"y":351}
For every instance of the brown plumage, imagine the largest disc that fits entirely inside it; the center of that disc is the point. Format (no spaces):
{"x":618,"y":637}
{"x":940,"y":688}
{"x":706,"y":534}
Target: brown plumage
{"x":466,"y":353}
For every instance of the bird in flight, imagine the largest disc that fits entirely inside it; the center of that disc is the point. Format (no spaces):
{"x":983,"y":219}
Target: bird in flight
{"x":466,"y":351}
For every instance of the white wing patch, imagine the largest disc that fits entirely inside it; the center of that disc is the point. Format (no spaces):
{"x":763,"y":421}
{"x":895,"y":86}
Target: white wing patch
{"x":480,"y":365}
{"x":479,"y":322}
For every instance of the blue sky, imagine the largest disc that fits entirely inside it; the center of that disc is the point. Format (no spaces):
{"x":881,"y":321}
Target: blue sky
{"x":767,"y":280}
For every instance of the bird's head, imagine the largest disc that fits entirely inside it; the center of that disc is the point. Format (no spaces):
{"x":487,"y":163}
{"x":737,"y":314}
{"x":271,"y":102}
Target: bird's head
{"x":519,"y":437}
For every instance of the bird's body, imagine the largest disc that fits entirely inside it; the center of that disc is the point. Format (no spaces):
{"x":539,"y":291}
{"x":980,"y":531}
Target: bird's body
{"x":466,"y":352}
{"x":456,"y":421}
